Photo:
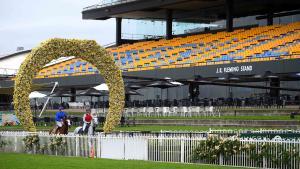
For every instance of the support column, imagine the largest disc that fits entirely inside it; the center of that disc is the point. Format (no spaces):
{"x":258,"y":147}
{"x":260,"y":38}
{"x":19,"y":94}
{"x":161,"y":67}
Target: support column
{"x":270,"y":18}
{"x":230,"y":92}
{"x":274,"y":82}
{"x":73,"y":92}
{"x":169,"y":19}
{"x":127,"y":98}
{"x":229,"y":15}
{"x":118,"y":31}
{"x":193,"y":91}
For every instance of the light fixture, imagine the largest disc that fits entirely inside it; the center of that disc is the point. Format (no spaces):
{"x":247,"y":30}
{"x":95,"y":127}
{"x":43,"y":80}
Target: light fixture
{"x":272,"y":76}
{"x":234,"y":78}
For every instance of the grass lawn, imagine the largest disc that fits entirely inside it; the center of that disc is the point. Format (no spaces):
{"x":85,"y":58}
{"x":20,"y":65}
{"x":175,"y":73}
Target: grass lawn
{"x":25,"y":161}
{"x":152,"y":128}
{"x":287,"y":108}
{"x":181,"y":128}
{"x":51,"y":113}
{"x":239,"y":117}
{"x":80,"y":112}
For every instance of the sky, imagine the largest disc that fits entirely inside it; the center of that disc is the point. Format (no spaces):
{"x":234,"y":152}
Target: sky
{"x":26,"y":23}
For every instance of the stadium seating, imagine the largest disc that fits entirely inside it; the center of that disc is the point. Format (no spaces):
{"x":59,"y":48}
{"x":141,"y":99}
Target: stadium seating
{"x":242,"y":45}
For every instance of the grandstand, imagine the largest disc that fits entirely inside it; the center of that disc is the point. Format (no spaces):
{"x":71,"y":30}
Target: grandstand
{"x":257,"y":44}
{"x":266,"y":43}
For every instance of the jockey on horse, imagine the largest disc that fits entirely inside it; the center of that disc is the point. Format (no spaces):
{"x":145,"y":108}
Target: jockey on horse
{"x":87,"y":119}
{"x":90,"y":122}
{"x":60,"y":120}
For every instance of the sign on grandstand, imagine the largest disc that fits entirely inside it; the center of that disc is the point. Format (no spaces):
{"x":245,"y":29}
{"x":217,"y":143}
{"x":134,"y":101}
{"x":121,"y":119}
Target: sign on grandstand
{"x":234,"y":69}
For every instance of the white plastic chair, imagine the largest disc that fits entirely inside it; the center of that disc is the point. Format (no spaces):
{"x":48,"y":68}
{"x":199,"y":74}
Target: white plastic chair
{"x":131,"y":111}
{"x":199,"y":110}
{"x":142,"y":111}
{"x":185,"y":111}
{"x":157,"y":111}
{"x":150,"y":111}
{"x":173,"y":111}
{"x":193,"y":110}
{"x":165,"y":111}
{"x":126,"y":110}
{"x":210,"y":110}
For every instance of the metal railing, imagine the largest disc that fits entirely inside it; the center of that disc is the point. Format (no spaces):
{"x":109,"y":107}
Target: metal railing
{"x":164,"y":149}
{"x":140,"y":36}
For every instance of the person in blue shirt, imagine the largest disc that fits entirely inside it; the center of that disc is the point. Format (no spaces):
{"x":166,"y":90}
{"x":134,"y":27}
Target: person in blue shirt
{"x":59,"y":117}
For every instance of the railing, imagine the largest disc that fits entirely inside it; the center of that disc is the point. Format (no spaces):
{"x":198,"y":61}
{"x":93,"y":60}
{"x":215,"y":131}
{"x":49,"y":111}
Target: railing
{"x":140,"y":36}
{"x":109,"y":44}
{"x":99,"y":146}
{"x":183,"y":149}
{"x":105,"y":3}
{"x":165,"y":149}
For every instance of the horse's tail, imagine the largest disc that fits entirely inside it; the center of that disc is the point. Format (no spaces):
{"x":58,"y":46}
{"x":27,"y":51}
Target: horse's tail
{"x":51,"y":131}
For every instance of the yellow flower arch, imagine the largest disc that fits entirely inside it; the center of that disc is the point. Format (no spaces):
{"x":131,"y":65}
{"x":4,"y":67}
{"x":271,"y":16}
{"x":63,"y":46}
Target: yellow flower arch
{"x":51,"y":49}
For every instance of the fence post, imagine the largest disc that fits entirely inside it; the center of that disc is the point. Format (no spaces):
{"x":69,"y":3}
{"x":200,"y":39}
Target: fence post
{"x":16,"y":142}
{"x":124,"y":148}
{"x":182,"y":150}
{"x":264,"y":158}
{"x":221,"y":159}
{"x":146,"y":148}
{"x":76,"y":146}
{"x":98,"y":146}
{"x":264,"y":162}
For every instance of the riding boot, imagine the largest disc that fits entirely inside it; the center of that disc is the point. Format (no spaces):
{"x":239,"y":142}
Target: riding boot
{"x":85,"y":130}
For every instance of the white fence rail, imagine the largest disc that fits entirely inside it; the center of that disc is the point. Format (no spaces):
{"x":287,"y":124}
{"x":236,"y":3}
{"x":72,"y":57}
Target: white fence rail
{"x":74,"y":145}
{"x":182,"y":150}
{"x":165,"y":149}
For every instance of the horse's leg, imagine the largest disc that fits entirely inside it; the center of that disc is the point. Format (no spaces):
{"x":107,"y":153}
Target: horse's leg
{"x":53,"y":130}
{"x":66,"y":130}
{"x":94,"y":129}
{"x":50,"y":131}
{"x":61,"y":130}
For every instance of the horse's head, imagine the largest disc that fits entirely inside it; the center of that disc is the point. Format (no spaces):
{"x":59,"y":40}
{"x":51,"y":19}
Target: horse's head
{"x":65,"y":127}
{"x":95,"y":120}
{"x":67,"y":122}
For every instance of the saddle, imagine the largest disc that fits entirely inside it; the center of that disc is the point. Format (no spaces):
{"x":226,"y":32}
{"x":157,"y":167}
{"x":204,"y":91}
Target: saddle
{"x":81,"y":131}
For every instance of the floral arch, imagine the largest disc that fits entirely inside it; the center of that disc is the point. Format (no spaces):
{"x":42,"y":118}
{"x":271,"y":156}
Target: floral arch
{"x":51,"y":49}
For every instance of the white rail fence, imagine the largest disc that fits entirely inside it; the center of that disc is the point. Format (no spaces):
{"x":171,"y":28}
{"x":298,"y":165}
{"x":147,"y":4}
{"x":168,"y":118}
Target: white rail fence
{"x":165,"y":149}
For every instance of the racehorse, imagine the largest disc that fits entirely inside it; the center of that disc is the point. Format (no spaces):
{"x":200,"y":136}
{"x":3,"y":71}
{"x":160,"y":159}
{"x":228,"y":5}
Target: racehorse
{"x":61,"y":130}
{"x":90,"y":127}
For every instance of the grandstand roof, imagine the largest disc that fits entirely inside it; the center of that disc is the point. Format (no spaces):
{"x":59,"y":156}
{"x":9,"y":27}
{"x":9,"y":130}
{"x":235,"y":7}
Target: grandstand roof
{"x":186,"y":10}
{"x":14,"y":54}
